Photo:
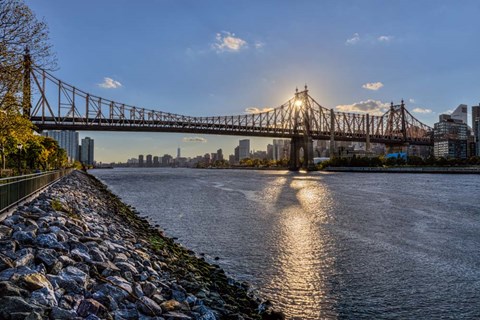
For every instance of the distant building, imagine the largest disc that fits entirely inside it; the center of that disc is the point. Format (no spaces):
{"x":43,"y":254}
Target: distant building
{"x":231,"y":159}
{"x":156,"y":163}
{"x":475,"y":116}
{"x":86,"y":151}
{"x":244,"y":149}
{"x":178,"y":153}
{"x":450,"y":139}
{"x":167,"y":160}
{"x":219,"y":154}
{"x":140,"y":160}
{"x":476,"y":129}
{"x":67,"y":140}
{"x":270,"y":151}
{"x":281,"y":149}
{"x":237,"y":154}
{"x":149,"y":161}
{"x":460,"y":113}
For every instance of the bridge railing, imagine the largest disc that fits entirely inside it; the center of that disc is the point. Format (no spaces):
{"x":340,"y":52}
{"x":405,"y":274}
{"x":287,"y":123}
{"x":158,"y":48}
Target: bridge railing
{"x":16,"y":189}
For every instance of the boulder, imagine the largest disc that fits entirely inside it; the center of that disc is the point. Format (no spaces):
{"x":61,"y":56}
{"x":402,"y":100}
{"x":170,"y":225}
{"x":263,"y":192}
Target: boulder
{"x":91,"y":307}
{"x":148,"y":306}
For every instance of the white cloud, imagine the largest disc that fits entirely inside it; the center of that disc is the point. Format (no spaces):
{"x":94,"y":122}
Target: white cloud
{"x":372,"y":107}
{"x":372,"y":86}
{"x":194,"y":139}
{"x":259,"y":44}
{"x":109,"y":83}
{"x":411,"y":100}
{"x":385,"y":38}
{"x":422,"y":110}
{"x":353,"y":40}
{"x":257,"y":110}
{"x":227,"y":41}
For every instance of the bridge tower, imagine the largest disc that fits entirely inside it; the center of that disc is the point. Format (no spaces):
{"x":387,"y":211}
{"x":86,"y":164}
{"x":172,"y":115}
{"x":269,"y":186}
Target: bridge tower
{"x":302,"y":140}
{"x":397,"y":128}
{"x":27,"y":93}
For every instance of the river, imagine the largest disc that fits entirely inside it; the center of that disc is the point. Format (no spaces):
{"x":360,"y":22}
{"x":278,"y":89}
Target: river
{"x":326,"y":245}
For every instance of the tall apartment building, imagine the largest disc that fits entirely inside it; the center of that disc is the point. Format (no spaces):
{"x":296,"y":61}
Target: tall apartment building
{"x":86,"y":151}
{"x":67,"y":140}
{"x":149,"y":160}
{"x":140,"y":160}
{"x":450,"y":138}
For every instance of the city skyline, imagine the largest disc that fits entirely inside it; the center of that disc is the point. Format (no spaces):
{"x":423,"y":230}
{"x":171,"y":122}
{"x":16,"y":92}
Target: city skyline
{"x":229,"y":59}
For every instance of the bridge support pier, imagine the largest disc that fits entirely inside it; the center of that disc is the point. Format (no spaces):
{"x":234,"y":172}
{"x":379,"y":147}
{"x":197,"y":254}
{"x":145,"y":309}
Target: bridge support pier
{"x":296,"y":145}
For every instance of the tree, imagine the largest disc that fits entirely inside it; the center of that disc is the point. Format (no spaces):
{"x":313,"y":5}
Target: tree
{"x":20,"y":30}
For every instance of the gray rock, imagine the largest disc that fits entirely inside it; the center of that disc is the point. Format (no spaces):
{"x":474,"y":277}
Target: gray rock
{"x":34,"y":316}
{"x":176,"y":316}
{"x":70,"y":285}
{"x":149,"y":289}
{"x":126,"y":266}
{"x":62,"y":314}
{"x":148,"y":306}
{"x":72,"y":273}
{"x":8,"y":247}
{"x":49,"y":240}
{"x":47,"y":256}
{"x":110,"y":290}
{"x":126,"y":314}
{"x":7,"y":288}
{"x":24,"y":237}
{"x":44,"y":297}
{"x":137,"y":290}
{"x":97,"y":255}
{"x":5,"y":232}
{"x":5,"y":262}
{"x":24,"y":260}
{"x":91,"y":306}
{"x":9,"y":305}
{"x":79,"y":255}
{"x":121,"y":283}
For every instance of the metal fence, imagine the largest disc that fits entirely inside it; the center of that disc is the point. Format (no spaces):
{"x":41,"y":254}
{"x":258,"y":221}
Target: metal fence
{"x":15,"y":189}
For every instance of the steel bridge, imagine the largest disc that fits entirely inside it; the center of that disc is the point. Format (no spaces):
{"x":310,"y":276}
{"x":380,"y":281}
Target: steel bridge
{"x":53,"y":104}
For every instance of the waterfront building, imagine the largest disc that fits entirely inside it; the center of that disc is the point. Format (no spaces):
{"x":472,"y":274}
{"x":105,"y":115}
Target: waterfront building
{"x":231,"y":159}
{"x":244,"y":149}
{"x":149,"y":162}
{"x":167,"y":160}
{"x":450,"y":138}
{"x":213,"y":157}
{"x":237,"y":154}
{"x":140,"y":160}
{"x":156,"y":163}
{"x":67,"y":140}
{"x":86,"y":151}
{"x":178,"y":153}
{"x":460,"y":113}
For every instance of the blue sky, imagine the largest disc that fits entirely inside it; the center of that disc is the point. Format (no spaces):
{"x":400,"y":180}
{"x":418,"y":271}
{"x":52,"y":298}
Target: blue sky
{"x":223,"y":57}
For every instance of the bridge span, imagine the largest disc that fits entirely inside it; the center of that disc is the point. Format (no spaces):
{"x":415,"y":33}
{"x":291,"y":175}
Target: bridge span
{"x":56,"y":105}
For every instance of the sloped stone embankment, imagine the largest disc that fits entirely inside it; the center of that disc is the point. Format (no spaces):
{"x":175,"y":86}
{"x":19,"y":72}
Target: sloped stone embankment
{"x":78,"y":252}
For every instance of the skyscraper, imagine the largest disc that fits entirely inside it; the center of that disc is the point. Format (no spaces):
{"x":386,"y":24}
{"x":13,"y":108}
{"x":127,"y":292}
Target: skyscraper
{"x":67,"y":140}
{"x":86,"y":151}
{"x":149,"y":160}
{"x":244,"y":149}
{"x":140,"y":160}
{"x":475,"y":116}
{"x":281,"y":149}
{"x":178,"y":153}
{"x":461,"y":113}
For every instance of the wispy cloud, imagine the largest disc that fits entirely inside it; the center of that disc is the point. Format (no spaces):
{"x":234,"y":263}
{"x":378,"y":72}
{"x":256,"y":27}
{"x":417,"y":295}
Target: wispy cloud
{"x":353,"y":40}
{"x":372,"y":86}
{"x":411,"y":100}
{"x":194,"y":139}
{"x":257,"y":110}
{"x":259,"y":44}
{"x":372,"y":107}
{"x":109,"y":83}
{"x":385,"y":38}
{"x":422,"y":110}
{"x":228,"y":42}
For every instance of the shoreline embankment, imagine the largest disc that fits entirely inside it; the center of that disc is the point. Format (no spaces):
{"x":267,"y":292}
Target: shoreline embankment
{"x":439,"y":170}
{"x":76,"y":251}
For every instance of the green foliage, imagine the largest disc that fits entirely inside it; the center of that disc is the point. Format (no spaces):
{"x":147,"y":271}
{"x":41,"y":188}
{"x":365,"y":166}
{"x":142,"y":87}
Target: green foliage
{"x":57,"y":205}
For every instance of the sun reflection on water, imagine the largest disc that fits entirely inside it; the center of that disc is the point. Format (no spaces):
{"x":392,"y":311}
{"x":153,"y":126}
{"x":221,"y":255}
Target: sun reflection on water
{"x":304,"y":262}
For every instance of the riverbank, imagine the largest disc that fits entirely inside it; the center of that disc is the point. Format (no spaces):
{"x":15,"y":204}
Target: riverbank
{"x":76,"y":251}
{"x":448,"y":170}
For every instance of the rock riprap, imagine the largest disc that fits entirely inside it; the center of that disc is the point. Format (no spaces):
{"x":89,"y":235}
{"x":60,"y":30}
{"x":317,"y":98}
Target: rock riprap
{"x":78,"y":252}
